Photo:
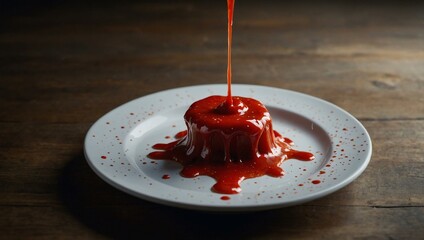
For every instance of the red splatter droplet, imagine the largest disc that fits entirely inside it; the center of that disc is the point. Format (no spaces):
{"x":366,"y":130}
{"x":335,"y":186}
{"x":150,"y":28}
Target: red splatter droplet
{"x":103,"y":157}
{"x":167,"y":137}
{"x":321,"y":172}
{"x":300,"y":185}
{"x":225,"y":198}
{"x":316,"y":181}
{"x":344,"y":129}
{"x":166,"y":176}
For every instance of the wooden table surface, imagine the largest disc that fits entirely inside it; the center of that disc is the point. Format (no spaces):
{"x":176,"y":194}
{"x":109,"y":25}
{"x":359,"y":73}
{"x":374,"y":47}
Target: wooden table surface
{"x":63,"y":65}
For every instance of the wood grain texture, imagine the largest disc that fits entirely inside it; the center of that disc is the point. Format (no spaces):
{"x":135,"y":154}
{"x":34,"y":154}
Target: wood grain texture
{"x":63,"y":65}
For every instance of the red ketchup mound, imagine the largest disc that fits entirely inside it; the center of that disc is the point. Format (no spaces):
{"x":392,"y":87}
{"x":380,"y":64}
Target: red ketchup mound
{"x":229,"y":141}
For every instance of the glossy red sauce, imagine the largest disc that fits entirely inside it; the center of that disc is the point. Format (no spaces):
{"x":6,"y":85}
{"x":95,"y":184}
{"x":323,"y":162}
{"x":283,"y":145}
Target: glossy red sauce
{"x":229,"y":143}
{"x":229,"y":138}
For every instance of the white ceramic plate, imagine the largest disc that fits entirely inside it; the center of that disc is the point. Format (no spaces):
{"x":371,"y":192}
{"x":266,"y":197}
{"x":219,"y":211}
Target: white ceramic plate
{"x":117,"y":144}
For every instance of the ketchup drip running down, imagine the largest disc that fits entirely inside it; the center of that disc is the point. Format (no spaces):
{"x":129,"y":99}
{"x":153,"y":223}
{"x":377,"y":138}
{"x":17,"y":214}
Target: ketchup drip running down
{"x":229,"y":138}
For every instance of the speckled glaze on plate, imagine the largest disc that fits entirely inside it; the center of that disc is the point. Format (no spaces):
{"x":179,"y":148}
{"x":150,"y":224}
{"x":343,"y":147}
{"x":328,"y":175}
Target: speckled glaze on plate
{"x":117,"y":144}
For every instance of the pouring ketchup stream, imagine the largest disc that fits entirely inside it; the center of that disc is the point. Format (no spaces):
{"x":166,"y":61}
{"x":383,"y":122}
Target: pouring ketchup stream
{"x":230,"y":7}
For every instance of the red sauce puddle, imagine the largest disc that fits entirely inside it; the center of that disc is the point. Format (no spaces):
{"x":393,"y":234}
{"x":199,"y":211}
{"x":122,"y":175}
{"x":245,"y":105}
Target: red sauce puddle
{"x":229,"y":138}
